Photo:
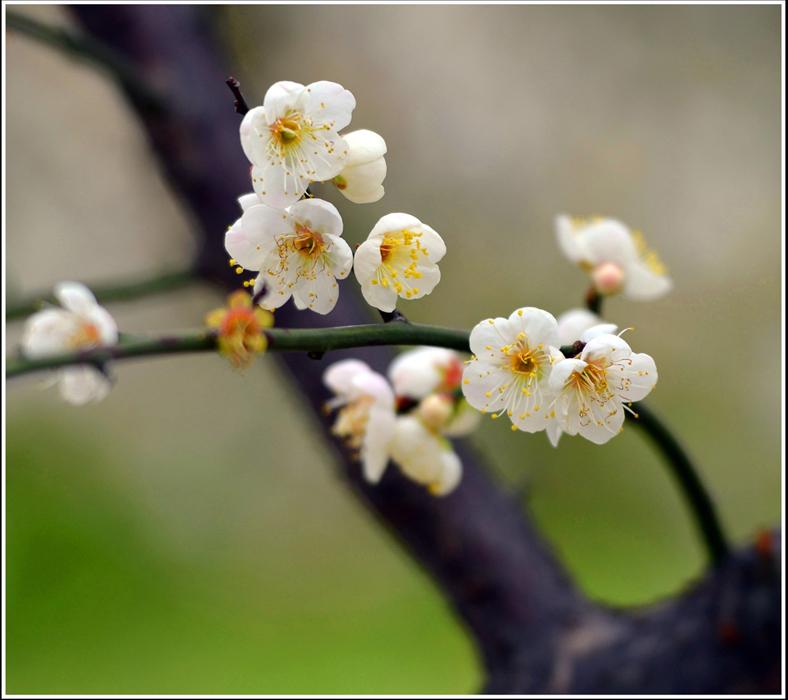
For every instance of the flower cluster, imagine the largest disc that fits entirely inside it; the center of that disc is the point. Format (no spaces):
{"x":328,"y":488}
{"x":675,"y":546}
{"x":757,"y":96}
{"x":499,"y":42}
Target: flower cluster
{"x":294,"y":244}
{"x":407,"y":418}
{"x":518,"y":369}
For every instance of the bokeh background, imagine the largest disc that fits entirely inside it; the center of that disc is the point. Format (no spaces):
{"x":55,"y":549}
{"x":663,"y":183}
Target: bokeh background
{"x":189,"y":534}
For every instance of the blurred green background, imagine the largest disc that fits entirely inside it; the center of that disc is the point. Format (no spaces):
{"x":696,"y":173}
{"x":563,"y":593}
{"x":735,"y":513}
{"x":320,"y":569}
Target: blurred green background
{"x":189,"y":534}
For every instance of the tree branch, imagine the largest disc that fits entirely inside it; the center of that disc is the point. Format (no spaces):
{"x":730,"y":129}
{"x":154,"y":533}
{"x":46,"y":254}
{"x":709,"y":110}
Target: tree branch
{"x":108,"y":293}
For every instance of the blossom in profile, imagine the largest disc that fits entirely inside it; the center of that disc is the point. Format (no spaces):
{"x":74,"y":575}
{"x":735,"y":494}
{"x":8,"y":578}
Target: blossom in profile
{"x":425,"y":457}
{"x":80,"y":324}
{"x":365,"y":418}
{"x":617,"y":259}
{"x":593,"y":390}
{"x":240,"y":329}
{"x":573,"y":324}
{"x":361,"y":179}
{"x":398,"y":260}
{"x":511,"y":365}
{"x":298,"y":252}
{"x":293,"y":138}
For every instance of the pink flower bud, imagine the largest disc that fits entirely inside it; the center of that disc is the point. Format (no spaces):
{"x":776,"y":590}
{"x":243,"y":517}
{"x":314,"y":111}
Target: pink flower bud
{"x":608,"y":278}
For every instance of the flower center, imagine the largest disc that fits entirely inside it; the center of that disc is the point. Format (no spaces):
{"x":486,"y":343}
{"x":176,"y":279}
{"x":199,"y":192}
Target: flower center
{"x":307,"y":242}
{"x":525,"y":361}
{"x":591,"y":380}
{"x":288,"y":130}
{"x":400,"y":254}
{"x":86,"y":335}
{"x":351,"y":422}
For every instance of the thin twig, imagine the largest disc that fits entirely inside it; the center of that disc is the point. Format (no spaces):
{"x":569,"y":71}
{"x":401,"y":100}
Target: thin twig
{"x":594,"y":301}
{"x":240,"y":102}
{"x":90,"y":50}
{"x":127,"y":291}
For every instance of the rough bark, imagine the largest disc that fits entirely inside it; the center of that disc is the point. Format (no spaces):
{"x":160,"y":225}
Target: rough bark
{"x":534,"y":630}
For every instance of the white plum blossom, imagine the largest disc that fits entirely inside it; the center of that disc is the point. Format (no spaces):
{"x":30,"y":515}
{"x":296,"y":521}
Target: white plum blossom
{"x":366,"y":419}
{"x":573,"y":324}
{"x":617,"y":258}
{"x":298,"y":252}
{"x":398,"y":259}
{"x":425,"y":457}
{"x":425,"y":370}
{"x":593,"y":390}
{"x":361,"y":180}
{"x":81,"y":324}
{"x":511,"y":365}
{"x":433,"y":376}
{"x":293,"y":138}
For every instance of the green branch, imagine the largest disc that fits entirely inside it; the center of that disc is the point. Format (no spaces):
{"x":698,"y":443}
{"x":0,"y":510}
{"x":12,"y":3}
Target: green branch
{"x":313,"y":340}
{"x":686,"y":475}
{"x":321,"y":340}
{"x":89,"y":50}
{"x":157,"y":284}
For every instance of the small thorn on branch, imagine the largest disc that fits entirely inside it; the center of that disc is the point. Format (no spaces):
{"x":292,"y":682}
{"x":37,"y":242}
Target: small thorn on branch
{"x":240,"y":103}
{"x":396,"y":315}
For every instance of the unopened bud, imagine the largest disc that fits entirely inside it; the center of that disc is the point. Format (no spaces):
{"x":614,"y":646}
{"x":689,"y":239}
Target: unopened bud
{"x":435,"y":411}
{"x":608,"y":278}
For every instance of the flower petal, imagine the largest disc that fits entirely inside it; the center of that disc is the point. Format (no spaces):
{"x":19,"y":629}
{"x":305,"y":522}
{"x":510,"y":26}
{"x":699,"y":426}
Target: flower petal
{"x":364,"y":146}
{"x":83,"y":384}
{"x":282,"y":97}
{"x":48,"y":332}
{"x":317,"y":215}
{"x":608,"y":240}
{"x":75,"y":297}
{"x":641,"y":284}
{"x":318,"y":293}
{"x":329,"y":103}
{"x":638,"y":376}
{"x":489,"y":335}
{"x":278,"y":187}
{"x":339,"y":376}
{"x":381,"y":425}
{"x":539,"y":326}
{"x":255,"y":135}
{"x":481,"y":384}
